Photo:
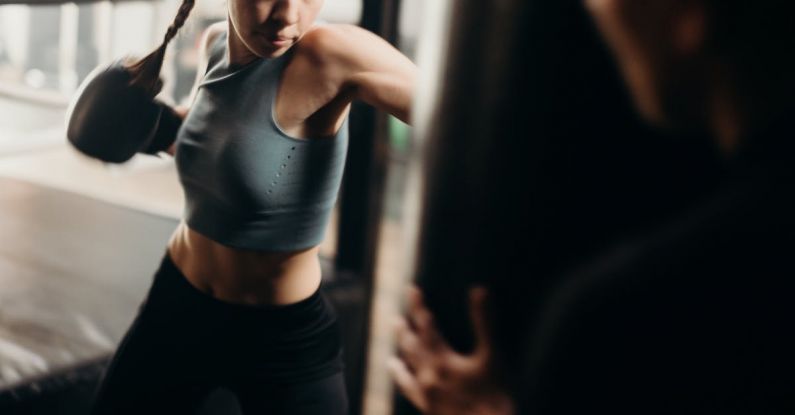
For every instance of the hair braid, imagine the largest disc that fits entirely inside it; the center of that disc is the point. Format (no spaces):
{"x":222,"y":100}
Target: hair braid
{"x":146,"y":72}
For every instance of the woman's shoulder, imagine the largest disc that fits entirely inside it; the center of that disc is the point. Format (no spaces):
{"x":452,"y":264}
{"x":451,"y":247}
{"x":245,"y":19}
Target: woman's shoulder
{"x":212,"y":34}
{"x":327,"y":43}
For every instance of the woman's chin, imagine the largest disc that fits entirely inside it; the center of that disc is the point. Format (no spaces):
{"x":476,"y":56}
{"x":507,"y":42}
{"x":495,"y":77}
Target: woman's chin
{"x":270,"y":51}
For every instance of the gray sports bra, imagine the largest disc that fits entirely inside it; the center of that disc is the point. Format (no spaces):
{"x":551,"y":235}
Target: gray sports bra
{"x":248,"y":184}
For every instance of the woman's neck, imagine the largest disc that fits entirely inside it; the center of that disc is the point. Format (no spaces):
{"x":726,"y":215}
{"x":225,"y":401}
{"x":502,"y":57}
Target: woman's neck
{"x":237,"y":53}
{"x":727,"y":121}
{"x":739,"y":110}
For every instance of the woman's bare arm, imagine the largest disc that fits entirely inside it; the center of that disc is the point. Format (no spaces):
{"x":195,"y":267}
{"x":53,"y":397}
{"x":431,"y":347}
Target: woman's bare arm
{"x":365,"y":67}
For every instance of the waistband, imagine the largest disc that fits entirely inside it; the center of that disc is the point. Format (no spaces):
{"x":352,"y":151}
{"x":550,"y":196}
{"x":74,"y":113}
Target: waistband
{"x":172,"y":290}
{"x":240,"y":342}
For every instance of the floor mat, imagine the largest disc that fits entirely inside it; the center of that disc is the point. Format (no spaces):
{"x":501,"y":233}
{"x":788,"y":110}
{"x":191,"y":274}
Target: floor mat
{"x":73,"y":271}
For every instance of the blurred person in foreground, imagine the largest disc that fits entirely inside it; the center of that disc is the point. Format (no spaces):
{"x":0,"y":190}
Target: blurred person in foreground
{"x":695,"y":316}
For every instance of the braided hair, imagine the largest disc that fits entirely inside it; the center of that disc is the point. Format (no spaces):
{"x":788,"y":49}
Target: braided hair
{"x":146,"y":72}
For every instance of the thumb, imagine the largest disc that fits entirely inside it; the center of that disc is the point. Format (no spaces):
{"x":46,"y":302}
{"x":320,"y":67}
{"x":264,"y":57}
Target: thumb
{"x":478,"y":297}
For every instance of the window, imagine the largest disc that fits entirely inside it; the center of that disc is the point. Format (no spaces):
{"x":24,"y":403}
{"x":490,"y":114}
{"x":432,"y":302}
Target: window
{"x":51,"y":48}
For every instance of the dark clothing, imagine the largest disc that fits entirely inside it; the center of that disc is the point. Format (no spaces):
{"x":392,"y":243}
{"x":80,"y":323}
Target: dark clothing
{"x":694,"y":318}
{"x":185,"y":344}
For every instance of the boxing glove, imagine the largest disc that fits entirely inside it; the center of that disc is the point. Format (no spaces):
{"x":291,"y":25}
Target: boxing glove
{"x":166,"y":131}
{"x":111,"y":120}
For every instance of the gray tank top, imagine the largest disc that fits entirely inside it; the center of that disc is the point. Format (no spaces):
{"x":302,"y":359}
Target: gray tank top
{"x":247,"y":183}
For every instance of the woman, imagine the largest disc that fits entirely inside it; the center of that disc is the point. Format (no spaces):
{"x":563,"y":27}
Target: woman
{"x":235,"y":303}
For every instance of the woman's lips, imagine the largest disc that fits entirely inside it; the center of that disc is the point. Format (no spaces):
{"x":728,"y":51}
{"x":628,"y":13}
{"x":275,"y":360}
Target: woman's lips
{"x":278,"y":41}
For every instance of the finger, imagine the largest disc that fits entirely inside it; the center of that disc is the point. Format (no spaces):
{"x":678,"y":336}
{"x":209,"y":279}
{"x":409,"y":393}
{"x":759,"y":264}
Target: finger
{"x":407,"y":383}
{"x":480,"y":324}
{"x":418,"y":313}
{"x":422,"y":319}
{"x":408,"y":344}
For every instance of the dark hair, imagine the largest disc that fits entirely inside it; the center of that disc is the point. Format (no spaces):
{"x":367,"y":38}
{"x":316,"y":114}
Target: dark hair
{"x":757,"y":37}
{"x":146,"y":72}
{"x":762,"y":28}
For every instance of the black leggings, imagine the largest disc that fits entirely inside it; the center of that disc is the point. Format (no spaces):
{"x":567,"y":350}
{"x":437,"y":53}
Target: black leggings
{"x":185,"y":344}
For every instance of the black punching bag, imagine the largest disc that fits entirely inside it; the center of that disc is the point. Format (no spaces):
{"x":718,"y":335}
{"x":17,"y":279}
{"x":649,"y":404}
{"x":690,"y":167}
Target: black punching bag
{"x":533,"y":161}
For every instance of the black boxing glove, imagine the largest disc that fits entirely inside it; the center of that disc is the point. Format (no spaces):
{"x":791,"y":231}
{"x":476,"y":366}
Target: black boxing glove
{"x":111,"y":120}
{"x":166,"y":132}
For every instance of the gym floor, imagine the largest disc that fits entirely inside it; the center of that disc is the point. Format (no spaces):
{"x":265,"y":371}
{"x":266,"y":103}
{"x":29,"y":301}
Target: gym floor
{"x":34,"y":153}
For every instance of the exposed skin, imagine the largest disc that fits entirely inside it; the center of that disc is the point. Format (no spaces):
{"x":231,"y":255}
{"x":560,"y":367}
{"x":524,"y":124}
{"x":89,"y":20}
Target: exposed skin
{"x":678,"y":80}
{"x":332,"y":66}
{"x":649,"y":41}
{"x":437,"y":379}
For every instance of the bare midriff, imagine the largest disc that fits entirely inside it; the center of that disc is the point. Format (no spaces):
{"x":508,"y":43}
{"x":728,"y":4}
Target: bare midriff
{"x":243,"y":276}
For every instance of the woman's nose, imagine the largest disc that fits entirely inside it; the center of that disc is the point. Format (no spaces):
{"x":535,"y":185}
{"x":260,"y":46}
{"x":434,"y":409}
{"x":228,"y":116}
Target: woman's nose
{"x":286,"y":12}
